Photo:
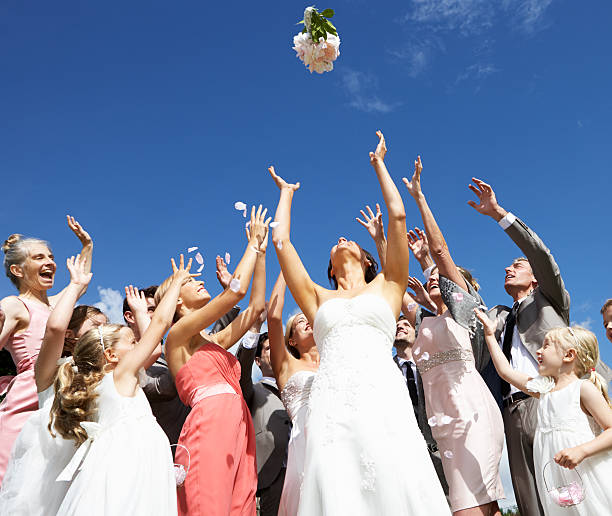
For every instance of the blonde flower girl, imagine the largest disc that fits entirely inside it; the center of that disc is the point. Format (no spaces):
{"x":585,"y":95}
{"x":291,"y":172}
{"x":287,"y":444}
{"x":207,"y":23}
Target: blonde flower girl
{"x":574,"y":419}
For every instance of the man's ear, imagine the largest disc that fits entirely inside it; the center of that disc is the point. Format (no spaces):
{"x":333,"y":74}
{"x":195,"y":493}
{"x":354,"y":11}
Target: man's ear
{"x":129,"y":317}
{"x":258,"y":361}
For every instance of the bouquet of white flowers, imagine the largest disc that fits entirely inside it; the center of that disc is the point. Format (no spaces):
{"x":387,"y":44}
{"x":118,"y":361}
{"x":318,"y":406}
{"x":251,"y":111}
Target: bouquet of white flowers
{"x":318,"y":44}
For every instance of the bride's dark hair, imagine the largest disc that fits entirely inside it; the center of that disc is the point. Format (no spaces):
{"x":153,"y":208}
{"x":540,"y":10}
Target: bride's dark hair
{"x":370,"y":272}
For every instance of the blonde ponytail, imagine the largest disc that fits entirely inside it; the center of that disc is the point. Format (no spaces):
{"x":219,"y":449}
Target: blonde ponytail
{"x":75,"y":383}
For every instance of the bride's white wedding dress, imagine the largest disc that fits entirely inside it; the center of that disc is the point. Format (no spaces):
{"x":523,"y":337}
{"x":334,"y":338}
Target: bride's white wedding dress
{"x":365,"y":454}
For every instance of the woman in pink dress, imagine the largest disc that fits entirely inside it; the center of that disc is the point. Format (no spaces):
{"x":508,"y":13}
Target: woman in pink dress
{"x":30,"y":266}
{"x":217,"y":441}
{"x":464,"y":417}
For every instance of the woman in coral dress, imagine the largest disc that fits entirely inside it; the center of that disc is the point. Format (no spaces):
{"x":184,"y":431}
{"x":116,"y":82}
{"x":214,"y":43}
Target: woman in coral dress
{"x":217,"y":443}
{"x":30,"y":266}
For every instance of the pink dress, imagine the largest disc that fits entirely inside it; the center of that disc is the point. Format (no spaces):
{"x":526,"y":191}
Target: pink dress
{"x":21,"y":398}
{"x":219,"y":437}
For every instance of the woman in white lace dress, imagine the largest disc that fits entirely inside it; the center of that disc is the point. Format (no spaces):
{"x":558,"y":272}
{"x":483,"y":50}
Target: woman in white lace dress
{"x":364,"y":452}
{"x":295,"y":361}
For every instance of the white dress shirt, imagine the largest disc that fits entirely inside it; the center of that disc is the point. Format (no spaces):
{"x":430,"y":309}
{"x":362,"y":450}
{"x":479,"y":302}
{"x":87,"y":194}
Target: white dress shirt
{"x":403,"y":363}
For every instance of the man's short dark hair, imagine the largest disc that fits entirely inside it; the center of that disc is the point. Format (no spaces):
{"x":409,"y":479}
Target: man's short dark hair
{"x":262,"y":338}
{"x":148,"y":292}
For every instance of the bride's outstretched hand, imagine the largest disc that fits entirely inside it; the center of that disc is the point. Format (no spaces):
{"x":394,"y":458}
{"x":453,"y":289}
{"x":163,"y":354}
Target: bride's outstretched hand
{"x":373,"y":223}
{"x":257,"y":230}
{"x":414,"y":185}
{"x":281,"y":183}
{"x":181,"y":272}
{"x":381,"y":149}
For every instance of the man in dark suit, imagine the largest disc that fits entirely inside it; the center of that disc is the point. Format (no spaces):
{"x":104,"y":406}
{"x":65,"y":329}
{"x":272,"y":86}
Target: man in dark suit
{"x":404,"y":340}
{"x":540,"y":303}
{"x":271,"y":421}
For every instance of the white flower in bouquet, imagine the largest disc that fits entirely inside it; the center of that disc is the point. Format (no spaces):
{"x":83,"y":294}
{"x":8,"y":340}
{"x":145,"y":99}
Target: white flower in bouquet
{"x":318,"y":45}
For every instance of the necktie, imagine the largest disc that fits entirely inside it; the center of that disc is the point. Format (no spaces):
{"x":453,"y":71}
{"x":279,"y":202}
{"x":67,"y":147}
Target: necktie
{"x":411,"y":383}
{"x":507,"y":341}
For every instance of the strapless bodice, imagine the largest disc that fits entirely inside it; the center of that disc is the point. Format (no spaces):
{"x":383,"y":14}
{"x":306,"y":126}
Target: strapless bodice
{"x":296,"y":393}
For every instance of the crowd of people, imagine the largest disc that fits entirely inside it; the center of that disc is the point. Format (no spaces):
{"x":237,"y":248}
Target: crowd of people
{"x":161,"y":416}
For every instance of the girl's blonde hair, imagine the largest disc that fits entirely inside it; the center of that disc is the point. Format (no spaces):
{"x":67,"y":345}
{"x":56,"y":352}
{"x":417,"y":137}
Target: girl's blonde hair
{"x":587,"y":353}
{"x":289,"y":333}
{"x":75,"y":383}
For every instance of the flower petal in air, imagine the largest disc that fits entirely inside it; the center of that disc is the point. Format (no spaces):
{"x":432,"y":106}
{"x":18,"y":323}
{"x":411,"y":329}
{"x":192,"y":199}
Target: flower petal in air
{"x":274,"y":224}
{"x":458,"y":296}
{"x":200,"y":268}
{"x":279,"y":244}
{"x":425,"y":356}
{"x":199,"y":258}
{"x":432,"y":421}
{"x":234,"y":285}
{"x":227,"y":258}
{"x":448,"y":454}
{"x":445,"y":420}
{"x":192,"y":249}
{"x":240,"y":206}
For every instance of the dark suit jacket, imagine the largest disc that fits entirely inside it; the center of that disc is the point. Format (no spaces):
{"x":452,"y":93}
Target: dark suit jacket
{"x":270,"y":419}
{"x":548,"y":306}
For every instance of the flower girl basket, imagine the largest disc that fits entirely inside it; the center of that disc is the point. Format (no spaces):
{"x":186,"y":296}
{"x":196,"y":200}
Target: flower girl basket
{"x":564,"y":485}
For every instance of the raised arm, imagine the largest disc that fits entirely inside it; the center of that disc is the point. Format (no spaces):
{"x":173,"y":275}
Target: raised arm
{"x":304,"y":290}
{"x":125,"y":374}
{"x":437,"y":245}
{"x":504,"y":369}
{"x":57,"y":324}
{"x":544,"y":266}
{"x":376,"y":229}
{"x":196,"y":321}
{"x":417,"y":241}
{"x":280,"y":357}
{"x":227,"y":337}
{"x":398,"y":255}
{"x":86,"y":252}
{"x":138,"y":306}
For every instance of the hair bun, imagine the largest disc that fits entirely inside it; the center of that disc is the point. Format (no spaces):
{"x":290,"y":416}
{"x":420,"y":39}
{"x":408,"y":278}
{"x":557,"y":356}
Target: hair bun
{"x":11,"y":241}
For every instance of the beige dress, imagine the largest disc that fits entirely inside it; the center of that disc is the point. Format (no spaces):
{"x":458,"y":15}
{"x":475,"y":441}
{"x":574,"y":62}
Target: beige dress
{"x":464,"y":418}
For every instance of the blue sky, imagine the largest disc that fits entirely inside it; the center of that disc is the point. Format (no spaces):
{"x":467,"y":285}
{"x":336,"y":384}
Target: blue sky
{"x":147,"y":121}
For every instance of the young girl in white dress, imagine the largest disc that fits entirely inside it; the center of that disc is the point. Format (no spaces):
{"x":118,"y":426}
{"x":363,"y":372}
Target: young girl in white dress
{"x":574,"y":419}
{"x":123,"y":464}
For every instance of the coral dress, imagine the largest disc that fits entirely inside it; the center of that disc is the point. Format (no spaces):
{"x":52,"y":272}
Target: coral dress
{"x":464,"y":417}
{"x":21,"y":398}
{"x":218,"y":436}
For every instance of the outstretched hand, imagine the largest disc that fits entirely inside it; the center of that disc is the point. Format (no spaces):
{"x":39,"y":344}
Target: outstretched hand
{"x":77,"y":268}
{"x":487,"y":203}
{"x":373,"y":223}
{"x":488,"y":325}
{"x":381,"y":149}
{"x":136,"y":300}
{"x":421,"y":295}
{"x":414,"y":185}
{"x":78,"y":230}
{"x":281,"y":183}
{"x":181,"y":272}
{"x":257,"y":229}
{"x":223,"y":275}
{"x":417,"y":241}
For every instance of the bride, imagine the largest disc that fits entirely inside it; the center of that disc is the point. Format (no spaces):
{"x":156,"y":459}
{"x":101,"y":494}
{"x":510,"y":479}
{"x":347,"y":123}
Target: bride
{"x":364,"y":452}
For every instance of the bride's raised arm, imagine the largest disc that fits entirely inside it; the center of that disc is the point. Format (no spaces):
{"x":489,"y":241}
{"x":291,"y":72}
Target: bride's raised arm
{"x":395,"y":269}
{"x":303,"y":289}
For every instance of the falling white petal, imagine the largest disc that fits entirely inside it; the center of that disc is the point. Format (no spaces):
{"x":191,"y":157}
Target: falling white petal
{"x":244,"y":213}
{"x":200,"y":268}
{"x":240,"y":206}
{"x":274,"y":224}
{"x":234,"y":285}
{"x":448,"y":454}
{"x":412,"y":306}
{"x":445,"y":420}
{"x":425,"y":356}
{"x":432,"y":421}
{"x":416,"y":351}
{"x":199,"y":258}
{"x":247,"y":224}
{"x":227,"y":258}
{"x":458,"y":296}
{"x":192,"y":249}
{"x":279,"y":244}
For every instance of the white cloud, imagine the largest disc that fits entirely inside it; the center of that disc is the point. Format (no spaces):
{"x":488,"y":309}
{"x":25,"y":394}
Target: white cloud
{"x":528,"y":15}
{"x":417,"y":55}
{"x":477,"y":71}
{"x":361,"y":91}
{"x":111,"y":303}
{"x":586,"y":323}
{"x":466,"y":16}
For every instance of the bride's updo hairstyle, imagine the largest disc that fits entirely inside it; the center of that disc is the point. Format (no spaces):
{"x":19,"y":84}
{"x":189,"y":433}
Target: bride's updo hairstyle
{"x":289,"y":334}
{"x":587,"y":353}
{"x":370,"y":272}
{"x":76,"y":381}
{"x":16,"y":251}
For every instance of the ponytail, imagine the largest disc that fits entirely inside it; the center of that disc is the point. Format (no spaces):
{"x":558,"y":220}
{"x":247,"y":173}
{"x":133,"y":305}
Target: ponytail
{"x":599,"y":381}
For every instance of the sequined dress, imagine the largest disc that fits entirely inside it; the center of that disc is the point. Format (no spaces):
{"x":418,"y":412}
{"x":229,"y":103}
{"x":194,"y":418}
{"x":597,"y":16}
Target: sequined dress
{"x":464,"y":418}
{"x":562,"y":424}
{"x":295,"y":396}
{"x":365,"y":454}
